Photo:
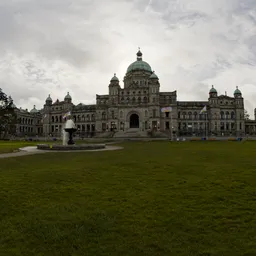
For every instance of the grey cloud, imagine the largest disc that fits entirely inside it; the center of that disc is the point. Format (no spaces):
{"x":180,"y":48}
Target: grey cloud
{"x":51,"y":46}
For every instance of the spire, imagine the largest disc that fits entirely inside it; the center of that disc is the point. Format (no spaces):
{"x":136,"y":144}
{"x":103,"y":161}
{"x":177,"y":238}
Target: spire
{"x":139,"y":55}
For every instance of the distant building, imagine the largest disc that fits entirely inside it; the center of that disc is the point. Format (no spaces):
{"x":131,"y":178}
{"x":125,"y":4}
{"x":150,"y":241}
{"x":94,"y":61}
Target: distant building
{"x":135,"y":111}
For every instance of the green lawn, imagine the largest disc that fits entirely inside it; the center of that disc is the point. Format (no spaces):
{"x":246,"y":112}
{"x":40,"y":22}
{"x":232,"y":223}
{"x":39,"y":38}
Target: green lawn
{"x":151,"y":198}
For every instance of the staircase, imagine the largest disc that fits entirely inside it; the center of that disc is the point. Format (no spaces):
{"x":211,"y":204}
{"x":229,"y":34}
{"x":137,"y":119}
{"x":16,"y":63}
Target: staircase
{"x":131,"y":133}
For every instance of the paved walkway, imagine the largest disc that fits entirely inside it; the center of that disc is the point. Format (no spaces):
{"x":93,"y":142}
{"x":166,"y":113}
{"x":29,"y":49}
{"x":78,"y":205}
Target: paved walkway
{"x":31,"y":150}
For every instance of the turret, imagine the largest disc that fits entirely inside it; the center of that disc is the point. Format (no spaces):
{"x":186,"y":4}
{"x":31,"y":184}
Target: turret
{"x":213,"y":92}
{"x":237,"y":93}
{"x":34,"y":110}
{"x":48,"y":101}
{"x":68,"y":98}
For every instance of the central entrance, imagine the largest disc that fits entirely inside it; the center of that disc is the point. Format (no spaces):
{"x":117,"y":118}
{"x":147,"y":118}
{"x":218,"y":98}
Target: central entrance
{"x":134,"y":121}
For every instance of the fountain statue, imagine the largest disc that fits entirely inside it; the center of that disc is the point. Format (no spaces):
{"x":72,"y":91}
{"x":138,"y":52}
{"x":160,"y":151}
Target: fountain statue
{"x":64,"y":136}
{"x":70,"y":128}
{"x":67,"y":140}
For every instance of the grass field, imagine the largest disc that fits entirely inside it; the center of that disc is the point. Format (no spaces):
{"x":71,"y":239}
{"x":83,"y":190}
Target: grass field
{"x":151,"y":198}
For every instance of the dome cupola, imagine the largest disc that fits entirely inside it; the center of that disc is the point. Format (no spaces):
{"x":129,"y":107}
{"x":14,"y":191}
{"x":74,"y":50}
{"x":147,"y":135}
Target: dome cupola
{"x":213,"y":90}
{"x":139,"y":64}
{"x":237,"y":92}
{"x":34,"y":110}
{"x":49,"y":99}
{"x":114,"y":78}
{"x":68,"y":97}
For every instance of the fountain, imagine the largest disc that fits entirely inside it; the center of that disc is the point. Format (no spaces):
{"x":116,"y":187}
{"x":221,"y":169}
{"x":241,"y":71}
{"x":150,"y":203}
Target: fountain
{"x":68,"y":143}
{"x":70,"y":128}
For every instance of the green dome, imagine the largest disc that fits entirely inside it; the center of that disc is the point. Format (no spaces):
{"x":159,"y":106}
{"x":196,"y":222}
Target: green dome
{"x":49,"y":98}
{"x":68,"y":97}
{"x":34,"y":110}
{"x":237,"y":91}
{"x":213,"y":90}
{"x":139,"y":64}
{"x":114,"y":78}
{"x":153,"y":76}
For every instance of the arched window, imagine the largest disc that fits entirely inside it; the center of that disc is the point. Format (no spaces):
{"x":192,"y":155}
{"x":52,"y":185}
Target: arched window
{"x":52,"y":119}
{"x":121,"y":114}
{"x":222,"y":115}
{"x":146,"y":113}
{"x":189,"y":115}
{"x":195,"y":115}
{"x":232,"y":115}
{"x":93,"y":117}
{"x":128,"y":100}
{"x":88,"y":117}
{"x":227,"y":115}
{"x":83,"y":119}
{"x":184,"y":115}
{"x":178,"y":114}
{"x":139,"y":99}
{"x":145,"y":99}
{"x":103,"y":115}
{"x":133,"y":100}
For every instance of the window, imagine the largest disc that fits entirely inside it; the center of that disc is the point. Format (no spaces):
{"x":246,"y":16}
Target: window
{"x":221,"y":115}
{"x":112,"y":114}
{"x":189,"y":115}
{"x":104,"y":115}
{"x":121,"y":114}
{"x":184,"y":115}
{"x":154,"y":112}
{"x":195,"y":115}
{"x":146,"y":113}
{"x":232,"y":115}
{"x":167,"y":114}
{"x":227,"y":115}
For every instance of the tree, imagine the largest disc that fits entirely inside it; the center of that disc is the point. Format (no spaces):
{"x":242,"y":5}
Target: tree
{"x":7,"y":115}
{"x":246,"y":115}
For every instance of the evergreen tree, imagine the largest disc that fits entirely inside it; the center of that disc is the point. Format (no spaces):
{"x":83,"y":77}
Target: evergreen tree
{"x":7,"y":115}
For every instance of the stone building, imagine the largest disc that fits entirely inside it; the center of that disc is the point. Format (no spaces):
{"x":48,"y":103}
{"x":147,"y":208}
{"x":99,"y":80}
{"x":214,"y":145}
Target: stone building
{"x":135,"y":110}
{"x":28,"y":122}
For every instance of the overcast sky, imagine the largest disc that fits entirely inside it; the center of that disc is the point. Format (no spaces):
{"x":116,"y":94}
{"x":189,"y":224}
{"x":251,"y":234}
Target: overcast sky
{"x":59,"y":46}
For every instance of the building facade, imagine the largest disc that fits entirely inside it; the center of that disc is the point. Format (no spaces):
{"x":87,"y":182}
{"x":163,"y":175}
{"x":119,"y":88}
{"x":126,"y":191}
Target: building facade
{"x":136,"y":110}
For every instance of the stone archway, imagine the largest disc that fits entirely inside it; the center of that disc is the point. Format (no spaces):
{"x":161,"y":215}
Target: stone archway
{"x":134,"y":121}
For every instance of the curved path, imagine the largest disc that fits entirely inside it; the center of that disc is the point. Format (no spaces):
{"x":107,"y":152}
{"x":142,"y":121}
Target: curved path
{"x":31,"y":150}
